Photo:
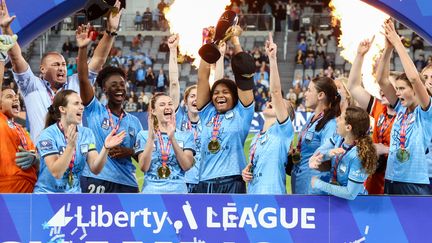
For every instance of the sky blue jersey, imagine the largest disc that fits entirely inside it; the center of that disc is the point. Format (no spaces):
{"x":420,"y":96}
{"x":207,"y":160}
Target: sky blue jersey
{"x":234,"y":127}
{"x":120,"y":171}
{"x":175,"y":183}
{"x":417,"y":139}
{"x":270,"y":158}
{"x":311,"y":140}
{"x":183,"y":123}
{"x":52,"y":141}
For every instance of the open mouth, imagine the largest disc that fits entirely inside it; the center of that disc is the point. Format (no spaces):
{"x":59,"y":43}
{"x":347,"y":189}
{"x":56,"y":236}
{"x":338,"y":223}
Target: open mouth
{"x":221,"y":101}
{"x":168,"y":114}
{"x":61,"y":76}
{"x":15,"y":108}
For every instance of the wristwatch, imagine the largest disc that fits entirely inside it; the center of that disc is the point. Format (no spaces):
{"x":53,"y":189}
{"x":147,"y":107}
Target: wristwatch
{"x":111,"y":33}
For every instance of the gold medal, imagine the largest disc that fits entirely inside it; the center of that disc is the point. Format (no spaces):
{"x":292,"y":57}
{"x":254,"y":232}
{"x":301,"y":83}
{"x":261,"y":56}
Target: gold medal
{"x":296,"y":158}
{"x":402,"y":155}
{"x":214,"y":146}
{"x":164,"y":172}
{"x":70,"y":179}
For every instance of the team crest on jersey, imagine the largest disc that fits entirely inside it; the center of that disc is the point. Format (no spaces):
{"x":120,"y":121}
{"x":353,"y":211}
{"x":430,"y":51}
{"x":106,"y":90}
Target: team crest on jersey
{"x":381,"y":120}
{"x":229,"y":115}
{"x":46,"y":145}
{"x":105,"y":123}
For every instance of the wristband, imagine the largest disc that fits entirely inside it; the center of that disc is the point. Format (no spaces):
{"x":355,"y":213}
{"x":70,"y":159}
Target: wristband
{"x":111,"y":33}
{"x":105,"y":147}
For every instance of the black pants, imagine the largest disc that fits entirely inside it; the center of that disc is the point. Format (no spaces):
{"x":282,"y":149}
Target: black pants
{"x":404,"y":188}
{"x":225,"y":184}
{"x":93,"y":185}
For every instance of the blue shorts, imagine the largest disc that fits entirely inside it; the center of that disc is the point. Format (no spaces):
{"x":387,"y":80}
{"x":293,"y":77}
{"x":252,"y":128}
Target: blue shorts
{"x":225,"y":184}
{"x":404,"y":188}
{"x":93,"y":185}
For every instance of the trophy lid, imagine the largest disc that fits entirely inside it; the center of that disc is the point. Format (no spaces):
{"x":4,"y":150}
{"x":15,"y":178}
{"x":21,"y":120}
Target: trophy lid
{"x":243,"y":67}
{"x":97,"y":8}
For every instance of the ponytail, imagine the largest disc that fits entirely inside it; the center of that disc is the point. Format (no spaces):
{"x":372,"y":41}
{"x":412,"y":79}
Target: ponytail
{"x":367,"y":154}
{"x":327,"y":85}
{"x":360,"y":123}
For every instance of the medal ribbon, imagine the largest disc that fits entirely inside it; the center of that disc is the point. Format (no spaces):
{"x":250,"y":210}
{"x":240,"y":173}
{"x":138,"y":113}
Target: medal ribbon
{"x":191,"y":128}
{"x":386,"y":123}
{"x":404,"y":126}
{"x":164,"y":150}
{"x":304,"y":130}
{"x":216,"y":127}
{"x":338,"y":159}
{"x":111,"y":119}
{"x":253,"y":149}
{"x":72,"y":162}
{"x":49,"y":91}
{"x":21,"y":134}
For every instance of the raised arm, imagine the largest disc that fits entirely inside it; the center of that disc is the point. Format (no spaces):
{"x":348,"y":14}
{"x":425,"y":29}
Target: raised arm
{"x":19,"y":64}
{"x":275,"y":85}
{"x":408,"y":65}
{"x":83,"y":39}
{"x":203,"y":88}
{"x":355,"y":76}
{"x":103,"y":48}
{"x":174,"y":86}
{"x":245,"y":93}
{"x":220,"y":65}
{"x":383,"y":74}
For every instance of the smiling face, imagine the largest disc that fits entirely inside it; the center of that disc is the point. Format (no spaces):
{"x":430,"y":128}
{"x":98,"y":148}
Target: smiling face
{"x":191,"y":101}
{"x":163,"y":109}
{"x":115,"y":89}
{"x":222,"y":98}
{"x":10,"y":104}
{"x":53,"y":69}
{"x":74,"y":109}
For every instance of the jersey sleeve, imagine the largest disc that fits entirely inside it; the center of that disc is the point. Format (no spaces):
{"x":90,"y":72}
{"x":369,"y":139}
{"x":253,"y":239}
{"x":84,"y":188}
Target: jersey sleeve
{"x":47,"y":144}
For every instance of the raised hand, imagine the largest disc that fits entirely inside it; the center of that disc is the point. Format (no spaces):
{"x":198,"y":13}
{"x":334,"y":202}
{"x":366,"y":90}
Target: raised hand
{"x":82,"y":35}
{"x":114,"y":17}
{"x":171,"y":127}
{"x":7,"y":42}
{"x":113,"y":139}
{"x":364,"y":46}
{"x":271,"y":47}
{"x":390,"y":32}
{"x":173,"y":41}
{"x":5,"y":19}
{"x":150,"y":123}
{"x":246,"y":174}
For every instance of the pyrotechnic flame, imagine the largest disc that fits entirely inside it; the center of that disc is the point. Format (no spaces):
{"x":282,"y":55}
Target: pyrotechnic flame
{"x":359,"y":21}
{"x":189,"y":17}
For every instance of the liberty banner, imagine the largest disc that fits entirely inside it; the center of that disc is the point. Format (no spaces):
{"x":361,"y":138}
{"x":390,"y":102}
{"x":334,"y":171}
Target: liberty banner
{"x":211,"y":218}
